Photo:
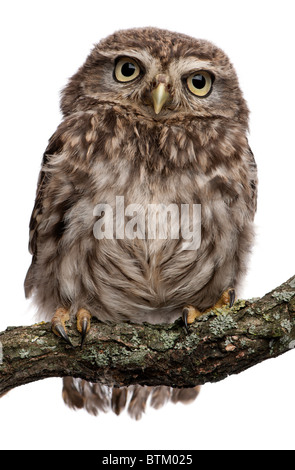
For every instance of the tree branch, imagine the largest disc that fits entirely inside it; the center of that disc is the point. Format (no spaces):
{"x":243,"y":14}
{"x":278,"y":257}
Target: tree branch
{"x":222,"y":342}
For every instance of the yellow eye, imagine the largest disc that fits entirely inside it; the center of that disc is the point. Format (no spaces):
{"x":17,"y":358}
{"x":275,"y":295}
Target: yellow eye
{"x":126,"y":70}
{"x":200,"y":83}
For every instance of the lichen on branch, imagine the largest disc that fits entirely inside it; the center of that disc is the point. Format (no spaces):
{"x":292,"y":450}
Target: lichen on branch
{"x":221,"y":343}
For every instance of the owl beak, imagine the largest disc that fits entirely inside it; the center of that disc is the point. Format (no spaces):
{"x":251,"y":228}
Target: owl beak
{"x":160,"y":95}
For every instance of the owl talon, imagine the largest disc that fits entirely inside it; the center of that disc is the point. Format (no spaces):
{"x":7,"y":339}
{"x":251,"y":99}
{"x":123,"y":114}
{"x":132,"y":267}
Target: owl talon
{"x":189,"y":314}
{"x":83,"y":323}
{"x":184,"y":317}
{"x":232,"y":297}
{"x":228,"y":298}
{"x":62,"y":332}
{"x":84,"y":331}
{"x":58,"y":324}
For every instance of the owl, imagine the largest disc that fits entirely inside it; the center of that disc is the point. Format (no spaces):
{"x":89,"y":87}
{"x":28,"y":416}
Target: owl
{"x":152,"y":148}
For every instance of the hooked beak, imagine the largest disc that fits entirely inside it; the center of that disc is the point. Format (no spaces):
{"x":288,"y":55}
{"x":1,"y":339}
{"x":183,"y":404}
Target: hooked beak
{"x":160,"y":95}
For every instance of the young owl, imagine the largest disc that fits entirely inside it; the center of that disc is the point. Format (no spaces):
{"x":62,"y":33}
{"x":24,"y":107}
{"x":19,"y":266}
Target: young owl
{"x":153,"y":119}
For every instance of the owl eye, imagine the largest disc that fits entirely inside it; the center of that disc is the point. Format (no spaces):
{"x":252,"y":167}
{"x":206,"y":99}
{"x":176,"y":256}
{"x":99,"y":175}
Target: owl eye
{"x":126,"y":70}
{"x":200,"y":83}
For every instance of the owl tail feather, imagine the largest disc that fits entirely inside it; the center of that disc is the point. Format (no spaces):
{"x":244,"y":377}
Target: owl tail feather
{"x":78,"y":394}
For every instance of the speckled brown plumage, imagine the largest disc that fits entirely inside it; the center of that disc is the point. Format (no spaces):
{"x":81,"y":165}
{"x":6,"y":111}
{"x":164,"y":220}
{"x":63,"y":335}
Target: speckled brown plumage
{"x":111,"y":143}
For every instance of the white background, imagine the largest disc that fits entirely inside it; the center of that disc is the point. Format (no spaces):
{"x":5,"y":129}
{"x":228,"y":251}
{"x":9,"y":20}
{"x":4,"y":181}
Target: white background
{"x":42,"y":44}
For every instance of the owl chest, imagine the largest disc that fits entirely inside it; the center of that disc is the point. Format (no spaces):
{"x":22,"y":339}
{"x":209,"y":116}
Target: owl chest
{"x":127,"y":200}
{"x":124,"y":199}
{"x":148,"y":223}
{"x":153,"y":209}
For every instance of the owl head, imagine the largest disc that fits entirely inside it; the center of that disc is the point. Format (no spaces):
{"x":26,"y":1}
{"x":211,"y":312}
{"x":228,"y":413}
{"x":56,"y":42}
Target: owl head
{"x":157,"y":75}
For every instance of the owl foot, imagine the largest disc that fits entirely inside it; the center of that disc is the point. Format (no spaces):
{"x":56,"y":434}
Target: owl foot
{"x":58,"y":324}
{"x":228,"y":298}
{"x":189,"y":313}
{"x":83,"y":323}
{"x":62,"y":315}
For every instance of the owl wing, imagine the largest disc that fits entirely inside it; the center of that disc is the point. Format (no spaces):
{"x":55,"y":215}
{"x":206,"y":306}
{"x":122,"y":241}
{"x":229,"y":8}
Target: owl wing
{"x":54,"y":147}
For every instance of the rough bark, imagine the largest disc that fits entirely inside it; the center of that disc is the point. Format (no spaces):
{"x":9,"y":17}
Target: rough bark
{"x":222,"y":342}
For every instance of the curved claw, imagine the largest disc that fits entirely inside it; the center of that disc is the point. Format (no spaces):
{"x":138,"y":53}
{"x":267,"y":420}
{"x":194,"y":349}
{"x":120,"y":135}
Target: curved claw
{"x":232,"y":297}
{"x":84,"y":330}
{"x":58,"y":324}
{"x":189,"y":315}
{"x":83,"y":323}
{"x":62,"y":332}
{"x":185,"y":312}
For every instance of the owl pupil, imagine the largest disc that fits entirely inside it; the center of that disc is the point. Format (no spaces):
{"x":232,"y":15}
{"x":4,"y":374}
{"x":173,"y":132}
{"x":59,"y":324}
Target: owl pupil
{"x":199,"y":81}
{"x":128,"y":69}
